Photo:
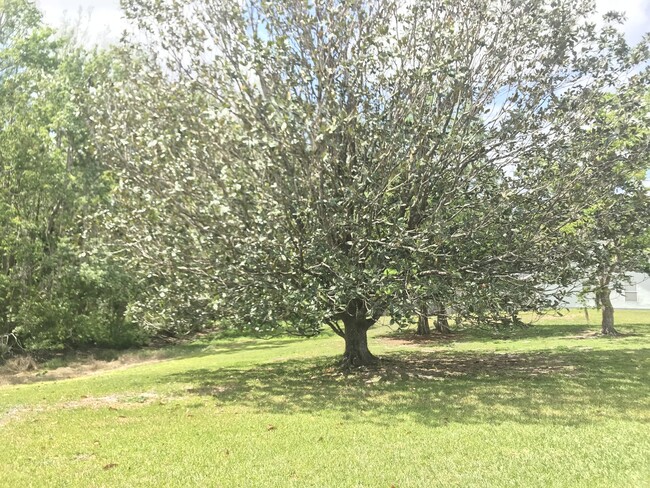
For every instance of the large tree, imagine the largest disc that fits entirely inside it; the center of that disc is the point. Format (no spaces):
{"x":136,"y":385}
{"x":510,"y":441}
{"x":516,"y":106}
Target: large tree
{"x":293,"y":164}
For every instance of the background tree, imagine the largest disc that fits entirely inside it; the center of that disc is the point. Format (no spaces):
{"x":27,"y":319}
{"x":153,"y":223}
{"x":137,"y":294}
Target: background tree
{"x":613,"y":237}
{"x":291,"y":164}
{"x":56,"y":287}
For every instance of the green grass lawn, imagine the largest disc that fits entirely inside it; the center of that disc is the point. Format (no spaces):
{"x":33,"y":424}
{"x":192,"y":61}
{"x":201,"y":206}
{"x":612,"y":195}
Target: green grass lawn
{"x":545,"y":406}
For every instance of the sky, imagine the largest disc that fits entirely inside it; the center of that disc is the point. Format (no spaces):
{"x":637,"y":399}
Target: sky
{"x":102,"y":19}
{"x":105,"y":23}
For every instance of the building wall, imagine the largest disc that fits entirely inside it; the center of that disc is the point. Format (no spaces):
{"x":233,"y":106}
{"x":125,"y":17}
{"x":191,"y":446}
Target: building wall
{"x":636,"y":295}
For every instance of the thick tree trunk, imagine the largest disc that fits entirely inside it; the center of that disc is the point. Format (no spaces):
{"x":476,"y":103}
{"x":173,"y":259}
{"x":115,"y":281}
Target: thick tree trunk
{"x":608,"y":313}
{"x":356,"y":342}
{"x":423,"y":322}
{"x":442,"y":321}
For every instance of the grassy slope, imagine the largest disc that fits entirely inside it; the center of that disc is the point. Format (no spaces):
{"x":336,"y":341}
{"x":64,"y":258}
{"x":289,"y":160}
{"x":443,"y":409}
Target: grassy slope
{"x":544,"y":406}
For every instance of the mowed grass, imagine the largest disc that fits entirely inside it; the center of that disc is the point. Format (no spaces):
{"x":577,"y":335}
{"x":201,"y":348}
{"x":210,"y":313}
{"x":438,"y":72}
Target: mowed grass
{"x":548,"y":405}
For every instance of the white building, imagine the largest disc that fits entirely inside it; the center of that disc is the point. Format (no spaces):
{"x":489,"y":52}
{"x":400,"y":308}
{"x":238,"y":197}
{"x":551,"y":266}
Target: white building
{"x":636,"y":295}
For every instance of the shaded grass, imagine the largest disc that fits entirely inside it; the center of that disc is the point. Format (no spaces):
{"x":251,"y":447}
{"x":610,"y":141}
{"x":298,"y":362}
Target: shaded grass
{"x":549,"y":406}
{"x":463,"y":388}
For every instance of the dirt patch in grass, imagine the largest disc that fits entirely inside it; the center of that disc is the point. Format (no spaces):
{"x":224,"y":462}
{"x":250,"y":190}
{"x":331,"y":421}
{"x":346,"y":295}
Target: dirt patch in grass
{"x":12,"y":414}
{"x":23,"y":369}
{"x":26,"y":368}
{"x":113,"y":402}
{"x":110,"y":402}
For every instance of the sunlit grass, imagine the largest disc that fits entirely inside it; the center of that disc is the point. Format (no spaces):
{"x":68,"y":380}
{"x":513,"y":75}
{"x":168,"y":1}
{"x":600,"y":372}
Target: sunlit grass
{"x":548,"y":405}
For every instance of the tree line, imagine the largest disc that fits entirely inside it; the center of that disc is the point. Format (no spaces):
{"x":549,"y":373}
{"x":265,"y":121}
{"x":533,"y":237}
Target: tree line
{"x":290,"y":166}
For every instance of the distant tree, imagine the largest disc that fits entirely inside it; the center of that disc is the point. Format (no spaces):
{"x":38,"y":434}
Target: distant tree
{"x":619,"y":244}
{"x":613,"y":237}
{"x":442,"y":320}
{"x":293,"y":164}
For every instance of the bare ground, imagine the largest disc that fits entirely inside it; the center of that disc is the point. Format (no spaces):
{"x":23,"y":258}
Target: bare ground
{"x":24,"y":370}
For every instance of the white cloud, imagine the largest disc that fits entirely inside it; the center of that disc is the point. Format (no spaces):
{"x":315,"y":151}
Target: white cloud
{"x":101,"y":20}
{"x":636,"y":11}
{"x":104,"y":22}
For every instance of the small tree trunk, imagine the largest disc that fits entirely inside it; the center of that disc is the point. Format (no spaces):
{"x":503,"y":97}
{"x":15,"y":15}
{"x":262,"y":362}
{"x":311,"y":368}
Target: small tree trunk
{"x":423,"y":322}
{"x":442,"y":322}
{"x":515,"y":320}
{"x":608,"y":313}
{"x":356,"y":342}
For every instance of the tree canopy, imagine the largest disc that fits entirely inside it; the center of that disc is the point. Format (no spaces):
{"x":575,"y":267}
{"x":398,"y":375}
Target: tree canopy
{"x":293,"y":164}
{"x":288,"y":166}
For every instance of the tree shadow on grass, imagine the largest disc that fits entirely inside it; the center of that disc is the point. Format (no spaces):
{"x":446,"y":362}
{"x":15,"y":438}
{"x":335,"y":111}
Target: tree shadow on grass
{"x":538,"y":388}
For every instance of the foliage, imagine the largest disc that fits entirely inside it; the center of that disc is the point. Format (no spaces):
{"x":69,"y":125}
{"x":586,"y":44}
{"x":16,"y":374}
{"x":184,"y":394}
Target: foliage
{"x":289,"y":164}
{"x":282,"y":166}
{"x":612,"y":239}
{"x":57,"y":287}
